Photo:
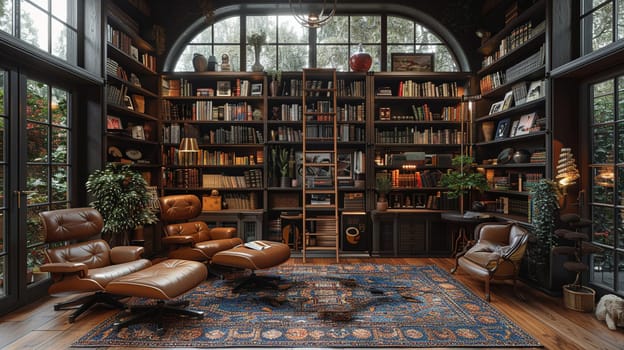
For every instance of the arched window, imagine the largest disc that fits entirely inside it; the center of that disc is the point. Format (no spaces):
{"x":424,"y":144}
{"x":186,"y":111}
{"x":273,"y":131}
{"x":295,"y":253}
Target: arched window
{"x":291,"y":47}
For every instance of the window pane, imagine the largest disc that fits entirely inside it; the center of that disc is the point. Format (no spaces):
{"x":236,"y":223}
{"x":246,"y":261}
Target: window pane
{"x":59,"y":107}
{"x":267,"y":57}
{"x":227,"y":31}
{"x":41,"y":3}
{"x":34,"y":26}
{"x":620,"y":269}
{"x":366,"y":29}
{"x":333,"y":56}
{"x":602,"y":269}
{"x":620,"y":19}
{"x":602,"y":219}
{"x":602,"y":145}
{"x":620,"y":142}
{"x":64,"y":42}
{"x":59,"y":145}
{"x":3,"y":97}
{"x":423,"y":35}
{"x":37,"y":181}
{"x":65,"y":11}
{"x":37,"y":142}
{"x":203,"y":37}
{"x":266,"y":24}
{"x":602,"y":27}
{"x":59,"y":183}
{"x":293,"y":58}
{"x":334,"y":32}
{"x":400,"y":30}
{"x":444,"y":61}
{"x":602,"y":191}
{"x":36,"y":101}
{"x":185,"y":62}
{"x":620,"y":231}
{"x":5,"y":282}
{"x":6,"y":16}
{"x":290,"y":31}
{"x":602,"y":106}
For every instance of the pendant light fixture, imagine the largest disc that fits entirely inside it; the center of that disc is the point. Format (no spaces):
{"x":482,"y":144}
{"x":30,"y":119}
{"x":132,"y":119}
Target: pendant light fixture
{"x":313,"y":15}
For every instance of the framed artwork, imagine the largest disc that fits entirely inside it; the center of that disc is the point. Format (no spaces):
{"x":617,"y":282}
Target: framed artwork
{"x":508,"y":100}
{"x":224,"y":88}
{"x":535,"y":90}
{"x":412,"y":62}
{"x":502,"y":130}
{"x":514,"y":126}
{"x":113,"y":123}
{"x":496,"y":107}
{"x":138,"y":132}
{"x":525,"y":124}
{"x":256,"y":89}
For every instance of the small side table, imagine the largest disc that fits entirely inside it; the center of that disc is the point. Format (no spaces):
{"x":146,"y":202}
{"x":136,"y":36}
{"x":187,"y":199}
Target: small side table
{"x":292,"y":226}
{"x":463,"y":225}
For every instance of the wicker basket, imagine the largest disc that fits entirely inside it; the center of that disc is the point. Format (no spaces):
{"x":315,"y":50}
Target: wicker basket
{"x":579,"y":300}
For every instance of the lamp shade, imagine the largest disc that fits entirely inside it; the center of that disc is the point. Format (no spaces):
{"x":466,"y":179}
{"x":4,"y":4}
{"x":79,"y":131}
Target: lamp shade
{"x":189,"y":144}
{"x":567,"y":172}
{"x":188,"y":152}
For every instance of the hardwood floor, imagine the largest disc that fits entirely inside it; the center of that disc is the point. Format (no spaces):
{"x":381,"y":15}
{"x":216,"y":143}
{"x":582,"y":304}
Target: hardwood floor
{"x":38,"y":326}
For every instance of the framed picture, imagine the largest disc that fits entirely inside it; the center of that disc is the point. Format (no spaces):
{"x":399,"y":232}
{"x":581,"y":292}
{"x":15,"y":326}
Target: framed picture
{"x":412,"y":62}
{"x":127,"y":101}
{"x":535,"y":90}
{"x":113,"y":123}
{"x":256,"y":89}
{"x":514,"y":126}
{"x":496,"y":107}
{"x":525,"y":124}
{"x":502,"y":130}
{"x":138,"y":132}
{"x":224,"y":88}
{"x":508,"y":100}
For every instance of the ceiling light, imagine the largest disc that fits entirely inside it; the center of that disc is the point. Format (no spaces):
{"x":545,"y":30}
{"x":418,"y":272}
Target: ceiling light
{"x":318,"y":14}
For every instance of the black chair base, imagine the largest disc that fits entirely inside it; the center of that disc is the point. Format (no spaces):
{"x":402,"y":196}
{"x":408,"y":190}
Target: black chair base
{"x":156,"y":313}
{"x":259,"y":281}
{"x":88,"y":301}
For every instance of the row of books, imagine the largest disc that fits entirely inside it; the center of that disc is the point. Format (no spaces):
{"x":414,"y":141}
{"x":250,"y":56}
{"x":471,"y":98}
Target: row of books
{"x":416,"y":179}
{"x":206,"y":110}
{"x":351,"y":112}
{"x":353,"y":201}
{"x":287,"y":112}
{"x":235,"y":134}
{"x":251,"y":179}
{"x":426,"y":136}
{"x":116,"y":95}
{"x":205,"y":157}
{"x":351,"y":133}
{"x":184,"y":87}
{"x":286,"y":134}
{"x":410,"y":88}
{"x":518,"y":36}
{"x":495,"y":80}
{"x":123,"y":42}
{"x":319,"y":132}
{"x":241,"y":200}
{"x":181,"y":178}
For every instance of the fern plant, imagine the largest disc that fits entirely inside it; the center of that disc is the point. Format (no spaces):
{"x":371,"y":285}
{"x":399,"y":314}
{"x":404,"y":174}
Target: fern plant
{"x":545,"y":209}
{"x":121,"y":196}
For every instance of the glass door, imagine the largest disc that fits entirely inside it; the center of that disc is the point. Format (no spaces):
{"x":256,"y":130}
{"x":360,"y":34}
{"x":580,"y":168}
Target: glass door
{"x":35,"y":173}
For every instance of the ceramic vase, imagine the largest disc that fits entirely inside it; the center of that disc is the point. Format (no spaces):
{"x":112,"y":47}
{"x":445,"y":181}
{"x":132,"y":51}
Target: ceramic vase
{"x":360,"y":61}
{"x":488,"y":130}
{"x":257,"y":67}
{"x":200,"y":63}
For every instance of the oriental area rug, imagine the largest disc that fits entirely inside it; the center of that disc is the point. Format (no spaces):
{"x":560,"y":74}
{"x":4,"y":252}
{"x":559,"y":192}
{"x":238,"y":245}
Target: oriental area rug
{"x":350,"y":305}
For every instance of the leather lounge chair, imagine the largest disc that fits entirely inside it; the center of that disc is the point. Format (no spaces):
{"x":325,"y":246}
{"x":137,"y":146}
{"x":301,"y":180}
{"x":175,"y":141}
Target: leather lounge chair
{"x":85,"y":264}
{"x":189,"y":239}
{"x":496,"y":254}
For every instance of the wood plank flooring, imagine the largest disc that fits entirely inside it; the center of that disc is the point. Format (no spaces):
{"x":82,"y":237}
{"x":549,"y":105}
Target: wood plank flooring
{"x":38,"y":326}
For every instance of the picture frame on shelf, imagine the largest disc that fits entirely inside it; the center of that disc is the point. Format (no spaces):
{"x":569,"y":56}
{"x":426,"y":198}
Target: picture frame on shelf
{"x":224,"y":88}
{"x":508,"y":100}
{"x":502,"y":130}
{"x":256,"y":89}
{"x":496,"y":107}
{"x":526,"y":123}
{"x":535,"y":90}
{"x":138,"y":132}
{"x":412,"y":62}
{"x":514,"y":127}
{"x":113,"y":123}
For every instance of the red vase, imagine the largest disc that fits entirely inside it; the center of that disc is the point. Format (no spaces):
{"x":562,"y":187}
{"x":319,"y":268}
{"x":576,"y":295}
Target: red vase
{"x":360,"y":61}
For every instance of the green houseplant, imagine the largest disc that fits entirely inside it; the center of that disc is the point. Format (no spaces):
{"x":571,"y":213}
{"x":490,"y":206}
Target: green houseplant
{"x":462,"y":179}
{"x":544,"y":214}
{"x":121,"y":196}
{"x":383,"y":185}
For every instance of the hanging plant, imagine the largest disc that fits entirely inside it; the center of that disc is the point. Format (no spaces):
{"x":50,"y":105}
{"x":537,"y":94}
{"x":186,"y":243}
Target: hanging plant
{"x":120,"y":195}
{"x":545,"y":210}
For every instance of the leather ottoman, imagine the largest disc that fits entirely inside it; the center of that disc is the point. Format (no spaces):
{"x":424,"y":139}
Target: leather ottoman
{"x":163,"y":281}
{"x":243,"y":257}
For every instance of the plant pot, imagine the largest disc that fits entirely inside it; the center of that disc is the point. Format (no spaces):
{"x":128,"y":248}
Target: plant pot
{"x":285,"y":181}
{"x":382,"y":206}
{"x":488,"y":130}
{"x":579,"y":299}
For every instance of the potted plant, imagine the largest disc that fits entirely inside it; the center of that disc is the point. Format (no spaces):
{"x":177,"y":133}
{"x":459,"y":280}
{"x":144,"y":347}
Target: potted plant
{"x":383,"y":187}
{"x":121,"y":196}
{"x":462,"y":179}
{"x":280,"y":157}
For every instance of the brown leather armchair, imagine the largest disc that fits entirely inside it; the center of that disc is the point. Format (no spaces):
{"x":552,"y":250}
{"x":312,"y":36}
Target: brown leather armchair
{"x":87,"y":265}
{"x":496,"y":254}
{"x":192,"y":240}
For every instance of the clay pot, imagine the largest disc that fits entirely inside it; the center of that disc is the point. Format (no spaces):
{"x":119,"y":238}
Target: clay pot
{"x":488,"y":130}
{"x":200,"y":63}
{"x":360,"y":61}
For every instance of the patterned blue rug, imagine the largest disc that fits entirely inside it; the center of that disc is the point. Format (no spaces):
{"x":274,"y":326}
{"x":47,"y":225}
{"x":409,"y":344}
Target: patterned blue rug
{"x":349,"y":305}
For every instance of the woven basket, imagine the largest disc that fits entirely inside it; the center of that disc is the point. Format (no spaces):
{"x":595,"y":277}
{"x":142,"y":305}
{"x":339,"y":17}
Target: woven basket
{"x":579,"y":300}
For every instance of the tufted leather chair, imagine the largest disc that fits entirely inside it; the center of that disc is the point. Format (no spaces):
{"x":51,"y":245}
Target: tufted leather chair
{"x":192,"y":240}
{"x":87,"y":265}
{"x":496,"y":254}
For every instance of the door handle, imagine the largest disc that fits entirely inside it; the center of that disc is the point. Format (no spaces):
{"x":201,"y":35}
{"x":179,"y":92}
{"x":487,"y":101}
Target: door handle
{"x":19,"y":196}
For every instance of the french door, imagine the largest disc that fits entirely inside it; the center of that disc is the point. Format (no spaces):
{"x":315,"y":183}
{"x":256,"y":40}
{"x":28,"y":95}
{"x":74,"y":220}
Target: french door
{"x":34,"y":176}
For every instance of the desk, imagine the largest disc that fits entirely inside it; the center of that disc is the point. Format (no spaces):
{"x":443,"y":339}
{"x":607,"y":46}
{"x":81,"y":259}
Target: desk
{"x":463,"y":225}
